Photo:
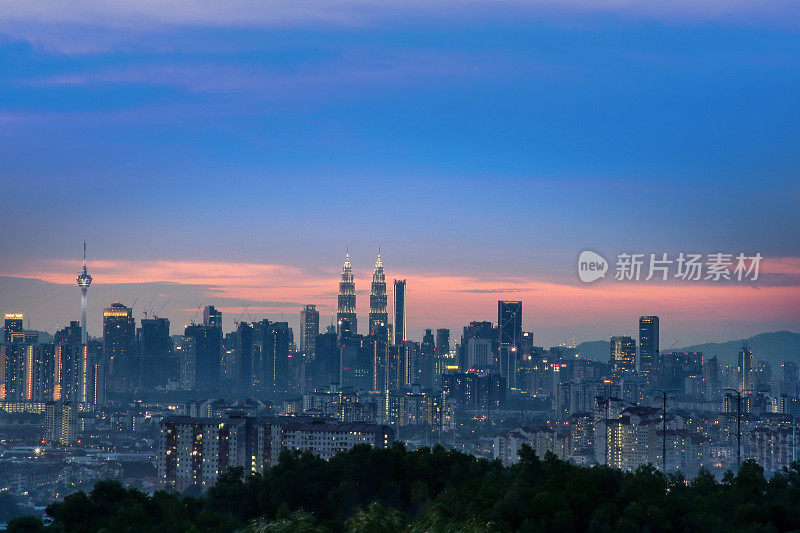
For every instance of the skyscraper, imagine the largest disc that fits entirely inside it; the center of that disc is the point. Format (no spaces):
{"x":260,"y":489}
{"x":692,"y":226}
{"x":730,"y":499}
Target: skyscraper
{"x":84,"y":280}
{"x":346,"y":314}
{"x":13,"y":324}
{"x":119,"y":335}
{"x":648,"y":346}
{"x":309,"y":329}
{"x":211,"y":317}
{"x":399,"y":309}
{"x":207,"y":355}
{"x":427,"y":361}
{"x":378,"y":315}
{"x":623,"y":356}
{"x":243,"y":347}
{"x":509,"y":326}
{"x":156,"y":363}
{"x":442,"y":353}
{"x":745,"y":366}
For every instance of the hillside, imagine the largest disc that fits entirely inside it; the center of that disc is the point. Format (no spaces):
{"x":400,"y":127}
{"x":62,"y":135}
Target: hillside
{"x":774,"y":347}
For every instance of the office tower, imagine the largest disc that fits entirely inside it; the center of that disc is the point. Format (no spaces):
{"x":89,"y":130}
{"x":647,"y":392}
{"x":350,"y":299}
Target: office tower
{"x":427,"y":361}
{"x":483,"y":331}
{"x":623,"y":356}
{"x":211,"y":317}
{"x":475,"y":390}
{"x":399,"y":309}
{"x":378,"y":345}
{"x":346,"y":313}
{"x":271,"y":342}
{"x":186,"y":355}
{"x":378,"y":314}
{"x":84,"y":281}
{"x":243,"y":357}
{"x":356,"y":361}
{"x":711,"y":379}
{"x":648,"y":346}
{"x":745,"y":366}
{"x":442,"y":353}
{"x":13,"y":324}
{"x":326,"y":364}
{"x":309,"y":329}
{"x":509,"y":326}
{"x":157,"y":366}
{"x":207,"y":355}
{"x":119,"y":346}
{"x":409,"y":364}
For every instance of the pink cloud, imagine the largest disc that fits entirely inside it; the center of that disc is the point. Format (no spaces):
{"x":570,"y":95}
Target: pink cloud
{"x":437,"y":298}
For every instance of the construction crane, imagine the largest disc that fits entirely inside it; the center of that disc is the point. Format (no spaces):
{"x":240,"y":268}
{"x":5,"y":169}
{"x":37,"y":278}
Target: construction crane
{"x":195,"y":314}
{"x":239,"y":318}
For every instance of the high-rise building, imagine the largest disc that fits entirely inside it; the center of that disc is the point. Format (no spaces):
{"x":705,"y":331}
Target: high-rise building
{"x":346,"y":313}
{"x":467,"y":351}
{"x":442,"y":354}
{"x":399,"y":308}
{"x":207,"y":355}
{"x":196,"y":451}
{"x":427,"y":361}
{"x":71,"y":366}
{"x":157,"y":366}
{"x":648,"y":346}
{"x":13,"y":359}
{"x":119,"y":347}
{"x":309,"y":329}
{"x":378,"y":314}
{"x":61,"y":423}
{"x":745,"y":367}
{"x":13,"y":324}
{"x":243,"y":360}
{"x":211,"y":317}
{"x":623,"y":356}
{"x":326,"y":363}
{"x":84,"y":281}
{"x":509,"y":326}
{"x":187,"y":361}
{"x":271,"y":342}
{"x":378,"y":343}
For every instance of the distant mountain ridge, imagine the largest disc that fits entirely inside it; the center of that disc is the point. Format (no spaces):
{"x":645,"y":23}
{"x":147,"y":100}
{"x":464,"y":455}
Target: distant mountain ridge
{"x":774,"y":347}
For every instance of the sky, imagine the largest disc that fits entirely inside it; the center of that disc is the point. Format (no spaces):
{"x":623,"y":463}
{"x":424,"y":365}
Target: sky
{"x":229,"y":153}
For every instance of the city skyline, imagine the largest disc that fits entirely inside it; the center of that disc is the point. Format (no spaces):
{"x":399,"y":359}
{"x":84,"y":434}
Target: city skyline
{"x":475,"y":303}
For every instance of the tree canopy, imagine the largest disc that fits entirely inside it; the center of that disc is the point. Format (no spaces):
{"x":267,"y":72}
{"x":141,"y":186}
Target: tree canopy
{"x":438,"y":490}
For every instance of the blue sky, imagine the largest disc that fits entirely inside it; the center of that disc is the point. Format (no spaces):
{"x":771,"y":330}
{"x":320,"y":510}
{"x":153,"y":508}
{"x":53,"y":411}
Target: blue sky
{"x":493,"y":140}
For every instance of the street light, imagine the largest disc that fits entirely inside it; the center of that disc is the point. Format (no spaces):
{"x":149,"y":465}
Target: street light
{"x":738,"y":424}
{"x":663,"y":395}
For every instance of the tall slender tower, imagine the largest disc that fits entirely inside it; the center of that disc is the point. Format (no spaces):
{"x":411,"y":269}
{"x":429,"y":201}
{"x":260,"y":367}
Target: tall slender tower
{"x":346,"y":315}
{"x":378,"y":315}
{"x":399,"y":311}
{"x":84,"y":280}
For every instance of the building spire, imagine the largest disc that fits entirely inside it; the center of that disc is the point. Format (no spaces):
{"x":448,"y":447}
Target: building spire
{"x":346,"y":315}
{"x":378,"y":315}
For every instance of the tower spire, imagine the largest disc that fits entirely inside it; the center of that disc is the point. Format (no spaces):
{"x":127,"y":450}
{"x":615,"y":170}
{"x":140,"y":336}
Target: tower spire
{"x":84,"y":281}
{"x":346,"y":315}
{"x":378,"y":315}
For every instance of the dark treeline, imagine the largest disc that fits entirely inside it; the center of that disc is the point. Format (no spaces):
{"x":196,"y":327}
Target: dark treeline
{"x":388,"y":490}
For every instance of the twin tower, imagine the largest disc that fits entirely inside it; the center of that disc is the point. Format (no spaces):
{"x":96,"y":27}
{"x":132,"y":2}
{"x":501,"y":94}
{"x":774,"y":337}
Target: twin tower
{"x":346,"y":318}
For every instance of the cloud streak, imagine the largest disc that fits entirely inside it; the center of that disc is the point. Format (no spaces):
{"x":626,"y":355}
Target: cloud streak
{"x":92,"y":25}
{"x":436,"y":298}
